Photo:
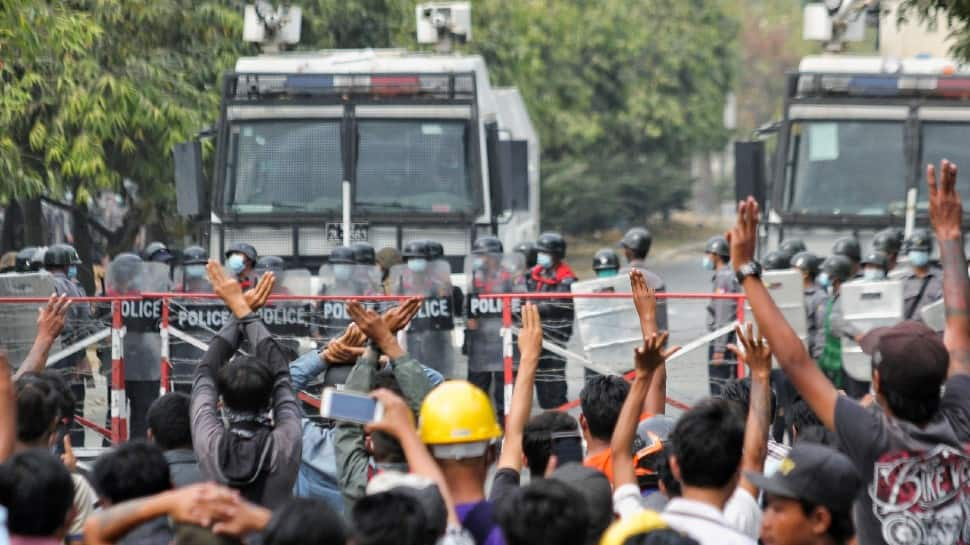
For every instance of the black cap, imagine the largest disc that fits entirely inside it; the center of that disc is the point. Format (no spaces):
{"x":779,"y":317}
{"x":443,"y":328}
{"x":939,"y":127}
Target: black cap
{"x":606,"y":259}
{"x":911,"y":359}
{"x":813,"y":473}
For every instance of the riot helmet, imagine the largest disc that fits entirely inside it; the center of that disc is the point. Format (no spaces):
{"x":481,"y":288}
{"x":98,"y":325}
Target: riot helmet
{"x":364,"y":254}
{"x":195,"y":255}
{"x":888,"y":241}
{"x":719,"y":246}
{"x":552,"y":244}
{"x":342,"y":254}
{"x":158,"y":252}
{"x":417,"y":249}
{"x":37,"y":259}
{"x":837,"y":267}
{"x":436,"y":248}
{"x":245,"y":249}
{"x":920,"y":240}
{"x":528,"y":251}
{"x":270,"y":263}
{"x":606,"y":263}
{"x":776,"y":260}
{"x":61,"y":255}
{"x":487,"y":245}
{"x":23,"y":259}
{"x":806,"y":262}
{"x":638,"y":241}
{"x":124,"y":270}
{"x":792,"y":246}
{"x":848,"y":247}
{"x":879,"y":259}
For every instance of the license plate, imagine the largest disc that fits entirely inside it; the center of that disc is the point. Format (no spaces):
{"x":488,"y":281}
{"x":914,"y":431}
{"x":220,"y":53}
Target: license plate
{"x":359,"y":232}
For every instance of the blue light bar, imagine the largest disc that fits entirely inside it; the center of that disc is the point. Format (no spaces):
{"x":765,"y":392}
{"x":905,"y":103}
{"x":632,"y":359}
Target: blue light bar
{"x":874,"y":86}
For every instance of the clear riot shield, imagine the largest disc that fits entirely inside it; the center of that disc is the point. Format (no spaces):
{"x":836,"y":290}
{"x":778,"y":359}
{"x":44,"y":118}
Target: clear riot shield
{"x":489,"y":273}
{"x":142,"y":341}
{"x":191,"y":279}
{"x":290,"y":319}
{"x":788,"y":293}
{"x":933,"y":316}
{"x":18,"y":322}
{"x":343,"y":279}
{"x":609,"y":328}
{"x":429,"y":336}
{"x":868,"y":305}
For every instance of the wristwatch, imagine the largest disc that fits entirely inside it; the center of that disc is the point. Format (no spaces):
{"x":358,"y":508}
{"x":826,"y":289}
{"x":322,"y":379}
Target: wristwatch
{"x":751,"y":268}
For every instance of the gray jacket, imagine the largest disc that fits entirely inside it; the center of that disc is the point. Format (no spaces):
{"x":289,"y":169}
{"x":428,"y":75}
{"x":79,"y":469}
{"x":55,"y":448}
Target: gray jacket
{"x":208,"y":427}
{"x":721,"y":312}
{"x":815,"y":300}
{"x":184,"y":467}
{"x":657,"y":283}
{"x":912,"y":285}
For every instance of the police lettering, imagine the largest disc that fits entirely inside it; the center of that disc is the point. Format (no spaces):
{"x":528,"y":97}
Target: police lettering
{"x":202,"y":318}
{"x":144,"y":309}
{"x":435,"y":308}
{"x":283,"y":315}
{"x":333,"y":310}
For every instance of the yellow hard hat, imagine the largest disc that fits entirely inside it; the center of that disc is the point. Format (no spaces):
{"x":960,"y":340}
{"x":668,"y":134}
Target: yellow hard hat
{"x":631,"y":525}
{"x":457,"y":412}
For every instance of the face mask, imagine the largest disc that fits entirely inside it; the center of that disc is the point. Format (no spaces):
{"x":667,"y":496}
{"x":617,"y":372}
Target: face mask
{"x":824,"y":280}
{"x":478,"y":263}
{"x":873,"y":274}
{"x":236,"y":263}
{"x":418,"y":265}
{"x":919,"y":258}
{"x":606,"y":273}
{"x":195,"y":271}
{"x":342,"y":271}
{"x":72,"y":272}
{"x":707,"y":263}
{"x":544,"y":260}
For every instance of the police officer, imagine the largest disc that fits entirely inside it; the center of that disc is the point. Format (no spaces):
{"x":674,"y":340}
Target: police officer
{"x":889,"y":241}
{"x":776,"y":260}
{"x":342,"y":259}
{"x":849,"y":247}
{"x":240,"y":260}
{"x":428,"y":337}
{"x":792,"y":246}
{"x":924,"y":283}
{"x":815,"y":297}
{"x":720,"y":312}
{"x":23,"y":261}
{"x":836,"y":270}
{"x":606,"y":264}
{"x":528,"y":251}
{"x":875,"y":265}
{"x":636,"y":245}
{"x":61,"y":261}
{"x":364,"y":254}
{"x":37,"y":259}
{"x":157,"y":252}
{"x":269,"y":263}
{"x":483,"y":342}
{"x":552,"y":274}
{"x":194,"y":280}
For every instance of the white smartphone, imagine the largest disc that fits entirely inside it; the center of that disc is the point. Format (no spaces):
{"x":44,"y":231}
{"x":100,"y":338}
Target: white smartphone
{"x":350,"y":407}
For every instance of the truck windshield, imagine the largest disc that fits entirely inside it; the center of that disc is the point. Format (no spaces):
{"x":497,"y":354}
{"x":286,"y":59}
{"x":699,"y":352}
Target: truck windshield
{"x":944,"y":141}
{"x":846,"y":167}
{"x":284,"y":166}
{"x":414,"y":165}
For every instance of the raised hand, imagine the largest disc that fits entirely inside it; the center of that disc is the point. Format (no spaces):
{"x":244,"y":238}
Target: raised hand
{"x":757,"y":353}
{"x":228,"y":289}
{"x":50,"y":318}
{"x":397,"y":318}
{"x":256,"y":297}
{"x":744,"y":235}
{"x":397,"y":418}
{"x":644,"y":298}
{"x":337,"y":352}
{"x":530,"y":335}
{"x":946,"y":211}
{"x":651,"y":355}
{"x":68,"y":458}
{"x":372,"y":325}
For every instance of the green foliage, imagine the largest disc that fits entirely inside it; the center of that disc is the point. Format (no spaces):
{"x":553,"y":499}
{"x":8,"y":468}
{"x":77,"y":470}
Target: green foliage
{"x":957,"y":13}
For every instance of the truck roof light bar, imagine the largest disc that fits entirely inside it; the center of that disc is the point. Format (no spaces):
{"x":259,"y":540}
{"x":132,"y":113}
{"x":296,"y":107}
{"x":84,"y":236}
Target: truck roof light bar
{"x":256,"y":86}
{"x":880,"y":85}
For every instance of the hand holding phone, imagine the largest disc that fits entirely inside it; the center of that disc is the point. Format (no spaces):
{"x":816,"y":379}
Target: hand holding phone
{"x":350,"y":407}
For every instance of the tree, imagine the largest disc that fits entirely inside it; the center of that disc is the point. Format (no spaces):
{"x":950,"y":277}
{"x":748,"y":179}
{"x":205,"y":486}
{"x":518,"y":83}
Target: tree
{"x":956,"y":12}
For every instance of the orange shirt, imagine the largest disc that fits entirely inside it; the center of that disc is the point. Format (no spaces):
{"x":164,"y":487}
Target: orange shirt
{"x":602,"y":462}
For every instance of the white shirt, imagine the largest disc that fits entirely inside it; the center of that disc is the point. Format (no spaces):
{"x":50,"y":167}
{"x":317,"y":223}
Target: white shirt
{"x":743,"y":513}
{"x":703,"y":522}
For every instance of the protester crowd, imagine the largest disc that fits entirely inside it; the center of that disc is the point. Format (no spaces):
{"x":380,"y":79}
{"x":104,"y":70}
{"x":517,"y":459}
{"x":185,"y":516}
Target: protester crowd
{"x":239,"y":460}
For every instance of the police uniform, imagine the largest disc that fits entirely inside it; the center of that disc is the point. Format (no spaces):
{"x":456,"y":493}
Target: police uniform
{"x":840,"y":328}
{"x":721,"y":312}
{"x":483,"y":342}
{"x":557,"y":326}
{"x":921,"y":291}
{"x":815,"y":299}
{"x":655,"y":282}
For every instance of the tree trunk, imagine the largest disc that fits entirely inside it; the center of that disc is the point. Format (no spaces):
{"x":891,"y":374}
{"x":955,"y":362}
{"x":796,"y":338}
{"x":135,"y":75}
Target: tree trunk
{"x":12,"y":236}
{"x":82,"y":243}
{"x":33,"y":222}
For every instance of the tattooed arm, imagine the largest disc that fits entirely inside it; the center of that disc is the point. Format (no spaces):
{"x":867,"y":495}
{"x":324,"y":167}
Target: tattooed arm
{"x":946,"y":214}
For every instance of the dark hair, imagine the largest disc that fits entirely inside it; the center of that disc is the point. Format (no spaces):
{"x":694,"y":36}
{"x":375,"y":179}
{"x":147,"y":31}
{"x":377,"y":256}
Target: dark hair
{"x":37,"y":491}
{"x":841,"y":529}
{"x":245,"y":384}
{"x":802,"y":416}
{"x":289,"y":525}
{"x":601,"y":400}
{"x":666,"y":476}
{"x":37,"y":408}
{"x":389,"y":518}
{"x":707,"y":442}
{"x":660,"y":537}
{"x":65,"y":396}
{"x":545,"y":511}
{"x":169,"y":420}
{"x":910,"y":409}
{"x":386,"y":448}
{"x":132,"y":470}
{"x":739,"y":391}
{"x":537,"y":440}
